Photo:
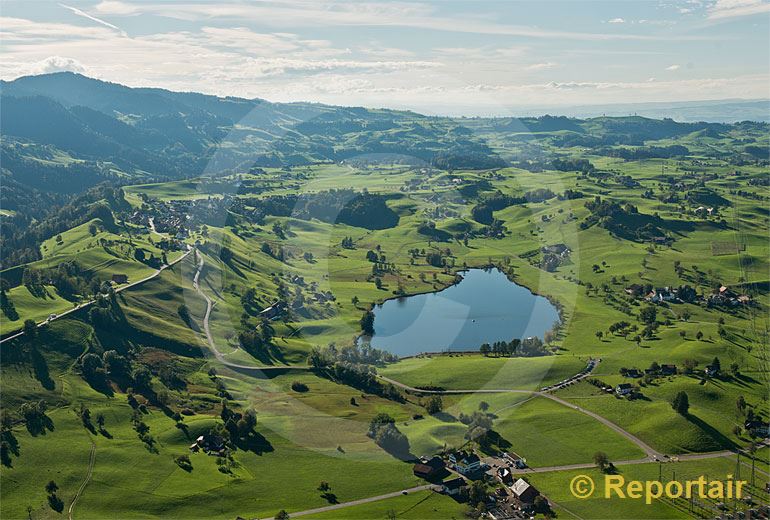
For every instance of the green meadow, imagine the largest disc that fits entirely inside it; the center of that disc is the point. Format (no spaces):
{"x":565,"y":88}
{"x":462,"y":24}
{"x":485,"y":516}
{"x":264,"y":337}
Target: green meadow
{"x":319,"y":433}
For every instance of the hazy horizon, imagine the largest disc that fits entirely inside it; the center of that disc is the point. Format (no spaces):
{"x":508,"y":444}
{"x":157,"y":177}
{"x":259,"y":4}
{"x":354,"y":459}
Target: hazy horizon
{"x":430,"y":57}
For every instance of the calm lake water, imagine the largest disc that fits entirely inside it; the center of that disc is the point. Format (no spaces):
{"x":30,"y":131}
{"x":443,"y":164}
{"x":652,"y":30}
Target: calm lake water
{"x":483,"y":308}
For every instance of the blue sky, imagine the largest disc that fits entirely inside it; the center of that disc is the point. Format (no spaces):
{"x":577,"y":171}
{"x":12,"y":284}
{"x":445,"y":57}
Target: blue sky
{"x":457,"y":57}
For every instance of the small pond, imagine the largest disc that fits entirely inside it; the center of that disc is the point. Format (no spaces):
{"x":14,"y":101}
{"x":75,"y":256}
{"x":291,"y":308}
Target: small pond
{"x":484,"y":307}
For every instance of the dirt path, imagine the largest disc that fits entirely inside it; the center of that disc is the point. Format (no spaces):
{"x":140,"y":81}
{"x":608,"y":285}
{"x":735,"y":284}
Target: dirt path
{"x":247,"y":369}
{"x":91,"y":460}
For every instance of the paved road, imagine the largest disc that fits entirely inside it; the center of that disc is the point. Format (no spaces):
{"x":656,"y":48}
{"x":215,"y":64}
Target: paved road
{"x":90,"y":302}
{"x":361,"y":501}
{"x":651,"y":453}
{"x":680,"y":458}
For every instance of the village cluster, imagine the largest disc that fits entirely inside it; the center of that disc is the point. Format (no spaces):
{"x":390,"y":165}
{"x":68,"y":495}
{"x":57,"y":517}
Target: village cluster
{"x":722,"y":296}
{"x":513,"y":497}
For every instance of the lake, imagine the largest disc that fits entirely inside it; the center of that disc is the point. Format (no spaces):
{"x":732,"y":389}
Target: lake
{"x":484,"y":307}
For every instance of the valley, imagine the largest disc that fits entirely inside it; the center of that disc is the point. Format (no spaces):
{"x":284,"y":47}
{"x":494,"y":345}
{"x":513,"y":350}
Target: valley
{"x":195,"y":343}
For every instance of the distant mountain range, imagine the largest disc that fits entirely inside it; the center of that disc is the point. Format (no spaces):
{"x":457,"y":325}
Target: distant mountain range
{"x":715,"y":111}
{"x":65,"y":132}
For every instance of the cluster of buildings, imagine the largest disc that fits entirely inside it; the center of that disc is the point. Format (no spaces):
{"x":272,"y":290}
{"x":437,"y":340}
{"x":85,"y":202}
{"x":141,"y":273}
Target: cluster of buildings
{"x":210,"y":444}
{"x":515,"y":498}
{"x":724,"y":296}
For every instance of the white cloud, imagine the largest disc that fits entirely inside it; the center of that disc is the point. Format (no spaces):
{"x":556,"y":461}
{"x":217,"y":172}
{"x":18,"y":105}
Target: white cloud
{"x":673,"y":67}
{"x":314,"y":13}
{"x":616,"y":20}
{"x":734,"y":8}
{"x":542,"y":66}
{"x":57,"y":64}
{"x":14,"y":30}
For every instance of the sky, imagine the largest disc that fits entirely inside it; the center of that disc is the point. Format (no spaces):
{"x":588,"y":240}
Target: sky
{"x":457,"y":57}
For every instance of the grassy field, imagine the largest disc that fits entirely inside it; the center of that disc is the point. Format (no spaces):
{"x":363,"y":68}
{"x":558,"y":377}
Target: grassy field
{"x":303,"y":438}
{"x":480,"y":372}
{"x":101,"y":254}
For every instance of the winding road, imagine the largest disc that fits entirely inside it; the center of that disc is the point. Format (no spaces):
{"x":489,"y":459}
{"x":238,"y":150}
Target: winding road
{"x":652,"y":454}
{"x":91,"y":302}
{"x":247,"y":369}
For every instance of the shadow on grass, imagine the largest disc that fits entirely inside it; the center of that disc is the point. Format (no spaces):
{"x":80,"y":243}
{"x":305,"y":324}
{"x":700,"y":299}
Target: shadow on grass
{"x":254,"y":442}
{"x":712,"y":432}
{"x":40,"y":369}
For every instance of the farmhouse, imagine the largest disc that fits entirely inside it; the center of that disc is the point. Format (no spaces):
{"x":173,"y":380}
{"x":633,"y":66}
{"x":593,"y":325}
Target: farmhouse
{"x":517,"y":461}
{"x":429,"y":469}
{"x":524,"y":492}
{"x":275,"y":311}
{"x":660,"y":294}
{"x":624,"y":388}
{"x":556,"y":249}
{"x":210,"y":444}
{"x":505,"y":476}
{"x":120,"y":278}
{"x":465,"y":463}
{"x":453,"y":487}
{"x":668,"y":370}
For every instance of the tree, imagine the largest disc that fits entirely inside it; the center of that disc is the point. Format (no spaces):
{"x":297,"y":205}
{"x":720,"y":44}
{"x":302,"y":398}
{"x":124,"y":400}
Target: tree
{"x":477,"y":492}
{"x":483,"y":406}
{"x":282,"y":515}
{"x":30,"y":329}
{"x":92,"y":229}
{"x":716,"y":365}
{"x":184,"y":312}
{"x":5,"y":454}
{"x":484,"y":349}
{"x":51,"y":487}
{"x":354,"y":300}
{"x":602,"y":461}
{"x":142,"y":377}
{"x":367,"y":323}
{"x":599,"y":334}
{"x":434,"y":404}
{"x":324,"y":486}
{"x":226,"y":255}
{"x":741,"y":404}
{"x":681,"y":403}
{"x":541,"y":505}
{"x":648,"y":314}
{"x":689,"y":365}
